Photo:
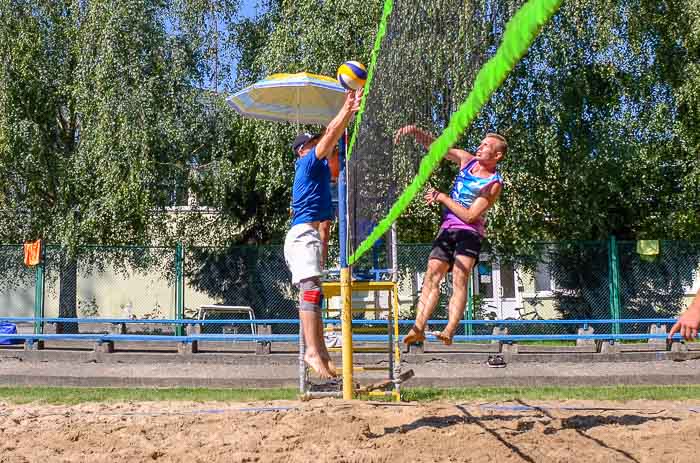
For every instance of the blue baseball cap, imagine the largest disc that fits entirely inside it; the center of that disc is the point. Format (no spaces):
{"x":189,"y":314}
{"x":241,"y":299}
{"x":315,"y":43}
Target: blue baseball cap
{"x":301,"y":139}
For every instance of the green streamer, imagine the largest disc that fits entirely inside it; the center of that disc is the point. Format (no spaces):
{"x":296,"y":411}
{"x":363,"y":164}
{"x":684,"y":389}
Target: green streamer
{"x":381,"y":32}
{"x":520,"y":32}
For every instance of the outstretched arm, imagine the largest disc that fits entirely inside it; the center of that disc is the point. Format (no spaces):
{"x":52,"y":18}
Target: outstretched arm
{"x":470,"y":214}
{"x":689,"y":323}
{"x":337,"y":126}
{"x":426,"y":139}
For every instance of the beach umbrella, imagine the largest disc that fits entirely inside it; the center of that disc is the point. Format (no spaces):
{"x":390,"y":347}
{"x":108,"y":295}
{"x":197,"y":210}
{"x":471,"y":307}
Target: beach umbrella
{"x":302,"y":98}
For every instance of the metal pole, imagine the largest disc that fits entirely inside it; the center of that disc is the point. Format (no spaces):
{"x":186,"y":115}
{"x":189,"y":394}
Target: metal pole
{"x":302,"y":364}
{"x":345,"y":274}
{"x":393,"y":306}
{"x":394,"y":254}
{"x":614,"y":283}
{"x":39,"y":290}
{"x":470,"y":305}
{"x":179,"y":287}
{"x":343,"y":201}
{"x":346,"y":295}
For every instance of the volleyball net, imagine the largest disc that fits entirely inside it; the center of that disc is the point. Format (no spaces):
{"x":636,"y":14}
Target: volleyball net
{"x":423,"y":73}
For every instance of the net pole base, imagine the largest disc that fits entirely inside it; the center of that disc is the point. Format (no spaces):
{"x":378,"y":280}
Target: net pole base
{"x":346,"y":327}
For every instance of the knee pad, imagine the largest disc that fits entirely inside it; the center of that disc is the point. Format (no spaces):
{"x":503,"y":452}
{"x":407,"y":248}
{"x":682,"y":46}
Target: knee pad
{"x":310,"y":295}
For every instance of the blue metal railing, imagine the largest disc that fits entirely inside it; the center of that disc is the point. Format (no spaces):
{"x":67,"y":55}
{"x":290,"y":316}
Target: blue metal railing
{"x":295,"y":321}
{"x":295,"y":338}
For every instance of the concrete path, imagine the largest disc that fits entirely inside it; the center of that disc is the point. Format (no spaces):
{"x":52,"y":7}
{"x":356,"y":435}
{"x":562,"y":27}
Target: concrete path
{"x":267,"y":371}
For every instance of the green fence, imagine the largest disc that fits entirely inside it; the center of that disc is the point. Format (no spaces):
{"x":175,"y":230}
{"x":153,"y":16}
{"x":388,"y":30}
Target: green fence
{"x":564,"y":280}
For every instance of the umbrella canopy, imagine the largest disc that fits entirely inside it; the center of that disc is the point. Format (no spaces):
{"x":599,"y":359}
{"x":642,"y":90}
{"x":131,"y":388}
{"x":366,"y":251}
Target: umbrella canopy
{"x":302,"y":98}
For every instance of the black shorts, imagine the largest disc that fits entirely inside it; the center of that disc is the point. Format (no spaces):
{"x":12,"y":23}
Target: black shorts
{"x":451,"y":243}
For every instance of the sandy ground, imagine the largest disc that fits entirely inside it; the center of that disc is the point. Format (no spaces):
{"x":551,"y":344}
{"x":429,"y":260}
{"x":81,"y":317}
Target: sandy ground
{"x":335,"y":431}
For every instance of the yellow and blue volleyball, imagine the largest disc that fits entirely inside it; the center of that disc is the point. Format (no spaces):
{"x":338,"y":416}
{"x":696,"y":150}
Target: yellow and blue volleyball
{"x":352,"y":75}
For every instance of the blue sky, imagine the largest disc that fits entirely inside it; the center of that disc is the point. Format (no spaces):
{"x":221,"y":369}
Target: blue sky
{"x":249,"y":7}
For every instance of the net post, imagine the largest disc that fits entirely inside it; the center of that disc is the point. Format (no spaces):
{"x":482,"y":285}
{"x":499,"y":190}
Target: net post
{"x":345,"y":273}
{"x":343,"y":200}
{"x":346,"y":296}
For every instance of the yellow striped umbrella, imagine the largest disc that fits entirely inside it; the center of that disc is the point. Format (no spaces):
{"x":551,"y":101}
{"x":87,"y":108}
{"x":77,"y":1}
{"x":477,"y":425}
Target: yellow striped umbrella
{"x":303,"y":98}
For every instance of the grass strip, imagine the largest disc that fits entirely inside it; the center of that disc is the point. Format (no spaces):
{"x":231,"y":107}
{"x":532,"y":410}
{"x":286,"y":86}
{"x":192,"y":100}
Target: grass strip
{"x":612,"y":393}
{"x":74,"y":396}
{"x":77,"y":395}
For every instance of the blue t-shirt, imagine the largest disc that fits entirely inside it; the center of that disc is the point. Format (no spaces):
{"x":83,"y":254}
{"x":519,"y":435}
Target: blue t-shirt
{"x":311,"y":195}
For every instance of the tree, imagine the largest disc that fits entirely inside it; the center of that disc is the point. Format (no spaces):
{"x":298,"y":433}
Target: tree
{"x":599,"y":120}
{"x":599,"y":115}
{"x":252,"y":181}
{"x":98,"y":103}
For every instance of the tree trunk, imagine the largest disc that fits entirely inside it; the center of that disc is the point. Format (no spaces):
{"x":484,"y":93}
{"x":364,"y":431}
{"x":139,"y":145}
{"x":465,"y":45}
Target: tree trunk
{"x":68,"y":295}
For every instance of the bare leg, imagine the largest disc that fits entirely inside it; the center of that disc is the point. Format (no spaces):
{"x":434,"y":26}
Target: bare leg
{"x":430,"y":293}
{"x":316,"y":355}
{"x":460,"y":278}
{"x":324,"y":353}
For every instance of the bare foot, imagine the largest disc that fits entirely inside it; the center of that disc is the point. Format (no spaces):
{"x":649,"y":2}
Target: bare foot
{"x":323,"y":367}
{"x":414,"y":336}
{"x":327,"y":359}
{"x":443,"y":336}
{"x":331,"y":367}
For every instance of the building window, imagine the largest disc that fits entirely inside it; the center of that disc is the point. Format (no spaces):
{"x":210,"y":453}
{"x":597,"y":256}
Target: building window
{"x":543,"y":278}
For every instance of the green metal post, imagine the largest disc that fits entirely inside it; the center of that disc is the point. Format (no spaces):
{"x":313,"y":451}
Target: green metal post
{"x":39,"y":290}
{"x":470,"y":307}
{"x":614,"y":283}
{"x":179,"y":287}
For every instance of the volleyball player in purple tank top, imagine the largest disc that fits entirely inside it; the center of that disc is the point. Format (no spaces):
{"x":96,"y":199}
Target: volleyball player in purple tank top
{"x":456,"y":247}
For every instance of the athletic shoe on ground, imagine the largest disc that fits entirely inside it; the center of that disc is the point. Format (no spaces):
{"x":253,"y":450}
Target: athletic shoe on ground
{"x":496,"y":361}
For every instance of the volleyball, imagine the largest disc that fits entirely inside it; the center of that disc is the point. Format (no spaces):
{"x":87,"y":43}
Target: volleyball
{"x":352,"y":75}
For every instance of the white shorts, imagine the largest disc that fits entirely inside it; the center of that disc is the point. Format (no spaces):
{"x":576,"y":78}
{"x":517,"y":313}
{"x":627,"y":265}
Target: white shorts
{"x":302,"y":251}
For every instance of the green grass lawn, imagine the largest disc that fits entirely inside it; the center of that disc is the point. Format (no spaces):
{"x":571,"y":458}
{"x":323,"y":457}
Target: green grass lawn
{"x":72,"y":396}
{"x":615,"y":393}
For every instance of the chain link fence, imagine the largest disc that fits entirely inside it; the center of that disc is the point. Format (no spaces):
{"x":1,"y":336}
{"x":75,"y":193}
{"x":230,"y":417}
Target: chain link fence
{"x":17,"y":283}
{"x":95,"y":282}
{"x":564,"y":280}
{"x":239,"y":277}
{"x":577,"y":280}
{"x":657,"y":282}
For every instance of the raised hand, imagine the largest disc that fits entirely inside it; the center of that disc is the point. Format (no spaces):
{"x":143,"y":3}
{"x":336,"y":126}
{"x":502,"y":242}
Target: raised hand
{"x":353,"y":100}
{"x":409,"y":129}
{"x":432,"y":196}
{"x":421,"y":136}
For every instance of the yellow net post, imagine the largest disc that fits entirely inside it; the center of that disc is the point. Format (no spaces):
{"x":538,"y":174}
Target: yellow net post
{"x":346,"y":327}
